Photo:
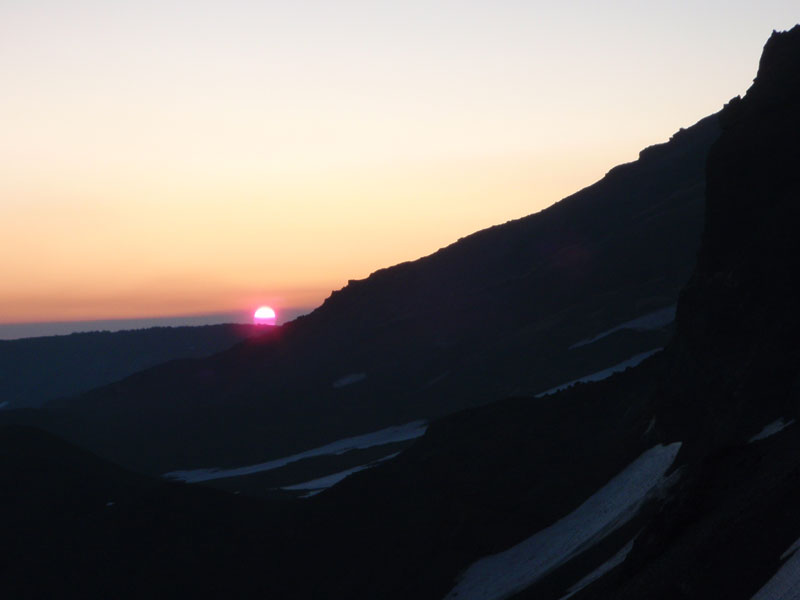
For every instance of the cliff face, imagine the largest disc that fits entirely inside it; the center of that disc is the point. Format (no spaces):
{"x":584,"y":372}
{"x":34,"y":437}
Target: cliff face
{"x":735,"y":353}
{"x":731,"y":389}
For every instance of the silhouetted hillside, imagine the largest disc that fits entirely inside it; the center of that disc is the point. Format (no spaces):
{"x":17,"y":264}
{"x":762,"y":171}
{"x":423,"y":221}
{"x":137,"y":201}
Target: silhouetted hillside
{"x":677,"y":479}
{"x":503,"y":311}
{"x":491,"y":503}
{"x":35,"y":370}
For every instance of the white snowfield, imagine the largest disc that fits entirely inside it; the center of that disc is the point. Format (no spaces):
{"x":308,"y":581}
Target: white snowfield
{"x":654,"y":320}
{"x":323,"y":483}
{"x":785,"y":584}
{"x":327,"y":481}
{"x":770,"y":430}
{"x":604,"y":374}
{"x":349,"y":380}
{"x":501,"y":575}
{"x":607,"y":566}
{"x":396,"y":433}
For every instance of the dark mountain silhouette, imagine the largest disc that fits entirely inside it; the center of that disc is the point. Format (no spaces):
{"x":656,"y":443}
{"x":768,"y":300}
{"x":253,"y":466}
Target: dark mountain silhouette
{"x":497,"y":313}
{"x":720,"y":525}
{"x":35,"y":370}
{"x":676,"y":479}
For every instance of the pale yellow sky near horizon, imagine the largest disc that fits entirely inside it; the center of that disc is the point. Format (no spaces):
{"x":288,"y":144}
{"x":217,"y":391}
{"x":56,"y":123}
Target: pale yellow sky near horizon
{"x":174,"y":157}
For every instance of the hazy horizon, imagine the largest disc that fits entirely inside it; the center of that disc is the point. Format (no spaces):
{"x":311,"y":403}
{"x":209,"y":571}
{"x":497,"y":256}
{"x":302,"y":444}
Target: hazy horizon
{"x":13,"y":331}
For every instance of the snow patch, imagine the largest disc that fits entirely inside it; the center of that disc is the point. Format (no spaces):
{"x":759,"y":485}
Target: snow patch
{"x":503,"y":574}
{"x":607,"y":566}
{"x":323,"y":483}
{"x":327,"y":481}
{"x":653,"y":320}
{"x":785,"y":584}
{"x":349,"y":380}
{"x":770,"y":430}
{"x":604,"y":374}
{"x":390,"y":435}
{"x":5,"y":404}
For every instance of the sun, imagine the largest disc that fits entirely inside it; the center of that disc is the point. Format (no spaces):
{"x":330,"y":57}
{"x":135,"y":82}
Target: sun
{"x":265,"y":315}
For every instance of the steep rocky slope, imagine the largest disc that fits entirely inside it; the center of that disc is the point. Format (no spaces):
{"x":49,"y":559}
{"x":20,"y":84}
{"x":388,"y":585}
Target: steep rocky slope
{"x":490,"y":485}
{"x":455,"y":514}
{"x":498,"y":313}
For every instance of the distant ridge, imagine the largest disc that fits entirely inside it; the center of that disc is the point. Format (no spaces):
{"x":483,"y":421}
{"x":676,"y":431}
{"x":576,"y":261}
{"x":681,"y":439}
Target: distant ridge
{"x":35,"y":370}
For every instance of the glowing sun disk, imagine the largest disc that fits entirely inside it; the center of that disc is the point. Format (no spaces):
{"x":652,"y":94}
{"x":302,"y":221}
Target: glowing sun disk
{"x":265,"y":315}
{"x":265,"y":312}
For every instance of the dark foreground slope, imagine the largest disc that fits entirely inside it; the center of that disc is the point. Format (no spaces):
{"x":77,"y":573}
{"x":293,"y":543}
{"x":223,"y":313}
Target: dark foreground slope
{"x":495,"y":314}
{"x":35,"y":370}
{"x":75,"y":526}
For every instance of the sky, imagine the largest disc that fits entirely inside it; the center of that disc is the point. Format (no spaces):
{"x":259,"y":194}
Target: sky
{"x":176,"y":157}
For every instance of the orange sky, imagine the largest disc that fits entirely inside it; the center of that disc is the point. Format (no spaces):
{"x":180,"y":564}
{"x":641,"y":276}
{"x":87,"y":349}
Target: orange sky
{"x":179,"y":158}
